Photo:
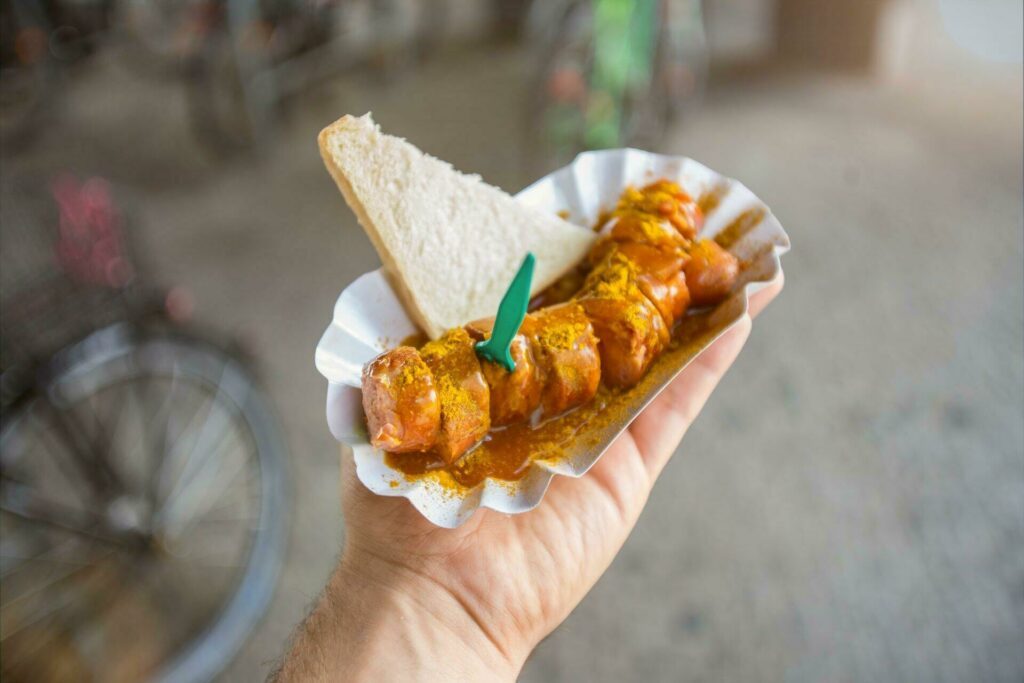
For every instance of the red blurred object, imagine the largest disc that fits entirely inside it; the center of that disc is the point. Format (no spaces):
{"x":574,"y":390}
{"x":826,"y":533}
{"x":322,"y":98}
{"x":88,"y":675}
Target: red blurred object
{"x":179,"y":304}
{"x":90,"y":244}
{"x":567,"y":85}
{"x":29,"y":45}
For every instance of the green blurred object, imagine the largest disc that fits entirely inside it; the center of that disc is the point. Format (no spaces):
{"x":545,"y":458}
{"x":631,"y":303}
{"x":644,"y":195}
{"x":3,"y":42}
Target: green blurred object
{"x":511,"y":312}
{"x":623,"y":55}
{"x":615,"y":73}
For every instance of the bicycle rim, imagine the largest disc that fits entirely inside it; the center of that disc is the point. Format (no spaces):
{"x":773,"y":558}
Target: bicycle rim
{"x":103,"y":363}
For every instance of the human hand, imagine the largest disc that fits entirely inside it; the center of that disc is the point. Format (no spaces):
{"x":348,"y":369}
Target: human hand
{"x":412,"y":601}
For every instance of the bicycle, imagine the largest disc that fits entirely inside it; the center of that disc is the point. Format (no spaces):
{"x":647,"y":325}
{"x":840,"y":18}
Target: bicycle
{"x":614,"y":73}
{"x":143,"y":484}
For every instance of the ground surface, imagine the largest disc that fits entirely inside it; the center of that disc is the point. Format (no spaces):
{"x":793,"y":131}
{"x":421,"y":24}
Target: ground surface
{"x":851,"y":504}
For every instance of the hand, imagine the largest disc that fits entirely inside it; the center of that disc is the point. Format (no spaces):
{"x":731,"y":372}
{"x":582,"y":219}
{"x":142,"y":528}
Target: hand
{"x":411,"y":601}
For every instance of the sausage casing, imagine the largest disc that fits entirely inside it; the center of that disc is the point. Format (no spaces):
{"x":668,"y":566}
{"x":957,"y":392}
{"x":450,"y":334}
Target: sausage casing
{"x":400,"y":399}
{"x":566,"y":350}
{"x":462,"y":390}
{"x":631,"y":330}
{"x":711,"y":273}
{"x":514,"y":395}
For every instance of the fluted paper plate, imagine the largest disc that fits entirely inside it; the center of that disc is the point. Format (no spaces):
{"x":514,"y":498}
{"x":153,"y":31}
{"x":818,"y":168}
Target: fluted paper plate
{"x":369,"y":318}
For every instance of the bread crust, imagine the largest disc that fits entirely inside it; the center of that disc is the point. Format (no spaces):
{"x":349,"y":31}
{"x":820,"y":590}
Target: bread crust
{"x":391,"y":270}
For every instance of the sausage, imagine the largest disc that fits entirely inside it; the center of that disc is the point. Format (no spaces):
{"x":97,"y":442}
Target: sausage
{"x":679,"y":294}
{"x":566,"y":350}
{"x":632,"y":333}
{"x":639,"y":229}
{"x":631,"y":330}
{"x":514,"y":395}
{"x":660,"y":254}
{"x":667,"y":200}
{"x":403,"y":411}
{"x":676,"y":206}
{"x":660,"y":277}
{"x":462,"y":390}
{"x":710,"y":273}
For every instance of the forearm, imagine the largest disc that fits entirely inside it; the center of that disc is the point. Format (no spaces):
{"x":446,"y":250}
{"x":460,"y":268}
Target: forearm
{"x":375,"y":622}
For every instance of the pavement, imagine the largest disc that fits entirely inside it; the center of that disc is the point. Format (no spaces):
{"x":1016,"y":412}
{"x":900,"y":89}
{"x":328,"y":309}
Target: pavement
{"x":850,"y":505}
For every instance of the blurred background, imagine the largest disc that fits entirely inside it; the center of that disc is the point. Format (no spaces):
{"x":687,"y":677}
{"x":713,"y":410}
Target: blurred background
{"x":850,"y":506}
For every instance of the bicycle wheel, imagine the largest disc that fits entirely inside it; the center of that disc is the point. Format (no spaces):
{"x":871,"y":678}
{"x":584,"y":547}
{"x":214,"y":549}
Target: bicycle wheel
{"x":142,"y":510}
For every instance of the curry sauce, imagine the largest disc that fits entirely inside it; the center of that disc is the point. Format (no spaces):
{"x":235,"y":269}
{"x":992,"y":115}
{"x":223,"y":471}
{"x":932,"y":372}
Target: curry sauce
{"x":507,"y":453}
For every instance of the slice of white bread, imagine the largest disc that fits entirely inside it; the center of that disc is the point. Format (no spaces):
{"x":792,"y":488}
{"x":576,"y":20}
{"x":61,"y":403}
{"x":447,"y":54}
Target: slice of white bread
{"x":450,"y":243}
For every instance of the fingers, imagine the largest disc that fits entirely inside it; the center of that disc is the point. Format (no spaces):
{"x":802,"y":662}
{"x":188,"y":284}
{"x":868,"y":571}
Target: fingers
{"x":659,"y":428}
{"x":764,"y":297}
{"x":359,"y":504}
{"x":376,"y":519}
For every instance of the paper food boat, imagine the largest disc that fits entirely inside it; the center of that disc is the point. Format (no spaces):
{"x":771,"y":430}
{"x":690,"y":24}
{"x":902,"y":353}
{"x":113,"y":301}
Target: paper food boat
{"x":369,"y":318}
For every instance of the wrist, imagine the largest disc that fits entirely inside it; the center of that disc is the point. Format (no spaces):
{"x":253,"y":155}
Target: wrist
{"x":400,"y":624}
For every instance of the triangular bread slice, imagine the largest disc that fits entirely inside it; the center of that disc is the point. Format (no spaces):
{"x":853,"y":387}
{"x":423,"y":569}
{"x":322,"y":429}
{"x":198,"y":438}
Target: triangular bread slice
{"x":450,"y":243}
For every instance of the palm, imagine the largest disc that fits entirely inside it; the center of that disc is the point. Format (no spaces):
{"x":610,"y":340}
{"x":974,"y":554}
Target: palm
{"x":520,"y":575}
{"x":553,"y":554}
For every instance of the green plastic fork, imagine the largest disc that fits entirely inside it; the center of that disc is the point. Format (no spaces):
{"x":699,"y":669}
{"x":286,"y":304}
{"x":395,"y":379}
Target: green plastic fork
{"x":511,"y":312}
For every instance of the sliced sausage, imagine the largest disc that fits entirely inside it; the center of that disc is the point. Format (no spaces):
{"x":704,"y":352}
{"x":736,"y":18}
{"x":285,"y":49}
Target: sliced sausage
{"x":403,"y":411}
{"x":567,"y":354}
{"x":631,"y":330}
{"x":660,"y":277}
{"x":463,"y":393}
{"x":710,"y":273}
{"x":667,"y":200}
{"x":639,"y":229}
{"x":514,"y":395}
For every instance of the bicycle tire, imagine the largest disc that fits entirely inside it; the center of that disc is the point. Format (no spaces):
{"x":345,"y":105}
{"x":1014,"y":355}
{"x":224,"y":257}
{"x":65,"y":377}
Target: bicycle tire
{"x":104,"y":358}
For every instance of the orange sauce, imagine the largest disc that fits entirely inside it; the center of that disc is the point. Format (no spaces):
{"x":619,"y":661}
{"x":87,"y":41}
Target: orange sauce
{"x":559,"y":291}
{"x":740,"y":226}
{"x":416,"y":340}
{"x":506,"y":453}
{"x":710,"y":200}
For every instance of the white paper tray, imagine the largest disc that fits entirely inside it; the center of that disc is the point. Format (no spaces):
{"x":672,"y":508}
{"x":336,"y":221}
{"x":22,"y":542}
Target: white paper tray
{"x":369,"y":318}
